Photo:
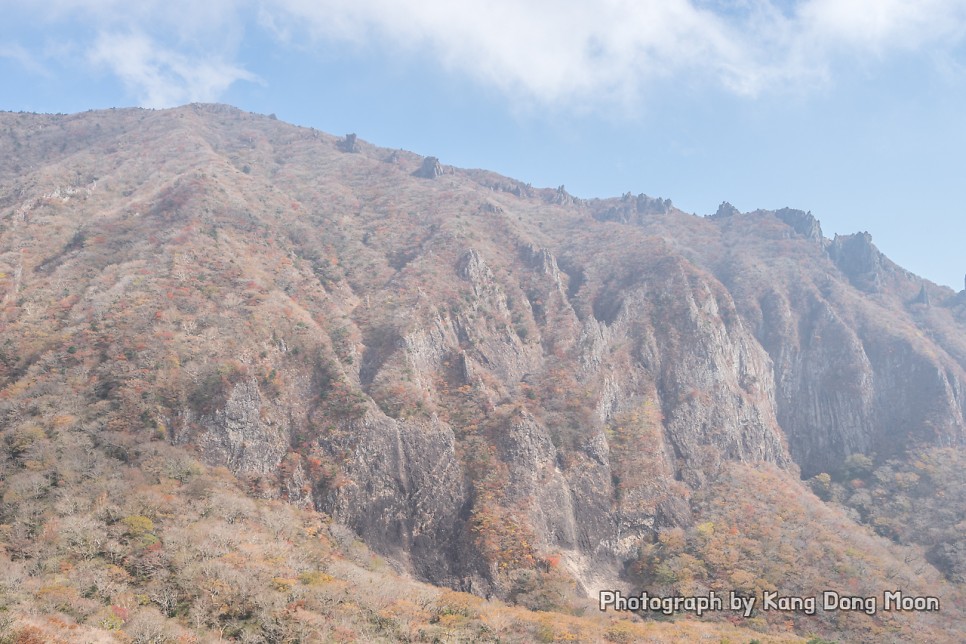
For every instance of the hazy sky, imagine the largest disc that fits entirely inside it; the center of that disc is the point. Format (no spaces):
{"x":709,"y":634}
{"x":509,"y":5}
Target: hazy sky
{"x":853,"y":109}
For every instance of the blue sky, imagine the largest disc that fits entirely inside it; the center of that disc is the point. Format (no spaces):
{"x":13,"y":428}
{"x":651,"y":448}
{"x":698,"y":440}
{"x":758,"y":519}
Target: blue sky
{"x":853,"y":109}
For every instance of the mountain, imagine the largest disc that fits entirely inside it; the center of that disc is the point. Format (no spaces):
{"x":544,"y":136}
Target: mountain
{"x":502,"y":390}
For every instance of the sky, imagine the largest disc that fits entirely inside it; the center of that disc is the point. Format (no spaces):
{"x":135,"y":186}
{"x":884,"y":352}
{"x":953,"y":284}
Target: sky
{"x":852,"y":109}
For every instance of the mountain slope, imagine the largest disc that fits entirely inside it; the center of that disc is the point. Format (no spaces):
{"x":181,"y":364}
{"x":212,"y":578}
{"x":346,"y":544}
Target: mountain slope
{"x":491,"y":384}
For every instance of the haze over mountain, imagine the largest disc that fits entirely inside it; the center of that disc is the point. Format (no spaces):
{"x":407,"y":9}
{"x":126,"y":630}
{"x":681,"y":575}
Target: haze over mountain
{"x":501,"y":389}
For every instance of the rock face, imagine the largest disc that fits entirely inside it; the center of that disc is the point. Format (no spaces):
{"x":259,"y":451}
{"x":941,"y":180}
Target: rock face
{"x":404,"y":491}
{"x":843,"y":388}
{"x":473,"y":376}
{"x":237,"y":435}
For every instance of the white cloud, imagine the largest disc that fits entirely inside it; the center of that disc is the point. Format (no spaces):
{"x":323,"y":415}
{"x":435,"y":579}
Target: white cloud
{"x":550,"y":51}
{"x":211,"y":21}
{"x":161,"y":77}
{"x":165,"y":52}
{"x":880,"y":26}
{"x":22,"y":56}
{"x":570,"y":53}
{"x":598,"y":52}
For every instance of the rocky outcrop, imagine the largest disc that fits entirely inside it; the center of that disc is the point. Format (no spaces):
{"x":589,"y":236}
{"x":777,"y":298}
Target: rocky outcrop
{"x":717,"y":390}
{"x":843,"y":390}
{"x":239,"y":435}
{"x":484,"y":329}
{"x":569,"y":510}
{"x":824,"y":382}
{"x":632,"y":210}
{"x":561,"y":197}
{"x":859,"y":259}
{"x":472,"y":267}
{"x":543,"y":261}
{"x":349,"y":144}
{"x":802,"y":222}
{"x":430,"y":169}
{"x":725,"y":210}
{"x":403,"y":491}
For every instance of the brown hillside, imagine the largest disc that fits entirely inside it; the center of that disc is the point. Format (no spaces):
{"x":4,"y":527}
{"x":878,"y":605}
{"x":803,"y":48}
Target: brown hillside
{"x":502,"y":390}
